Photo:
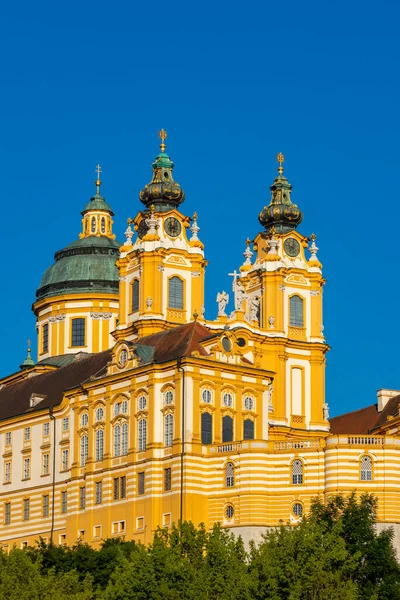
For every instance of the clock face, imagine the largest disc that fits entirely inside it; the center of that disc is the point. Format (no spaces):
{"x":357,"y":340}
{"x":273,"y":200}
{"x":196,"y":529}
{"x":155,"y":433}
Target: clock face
{"x":172,"y":227}
{"x":291,"y":247}
{"x":142,"y":229}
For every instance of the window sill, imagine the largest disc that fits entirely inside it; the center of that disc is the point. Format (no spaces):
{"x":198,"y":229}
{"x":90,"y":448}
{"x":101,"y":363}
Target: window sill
{"x":45,"y":475}
{"x":7,"y":482}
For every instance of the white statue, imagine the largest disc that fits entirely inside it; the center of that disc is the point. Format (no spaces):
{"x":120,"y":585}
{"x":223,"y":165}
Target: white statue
{"x":254,"y":308}
{"x":240,"y":294}
{"x":222,"y":299}
{"x":325,"y":408}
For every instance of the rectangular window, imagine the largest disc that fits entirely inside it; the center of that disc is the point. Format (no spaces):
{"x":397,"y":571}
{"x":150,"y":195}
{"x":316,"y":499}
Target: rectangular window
{"x":82,"y":498}
{"x":206,"y":428}
{"x":7,"y":472}
{"x":78,"y":332}
{"x":119,"y":487}
{"x":99,"y":492}
{"x":116,"y":488}
{"x":175,"y":293}
{"x":27,"y":468}
{"x":7,"y":513}
{"x":46,"y":464}
{"x":65,"y":460}
{"x":8,"y":438}
{"x":167,"y":479}
{"x":45,"y":506}
{"x":45,"y":338}
{"x":123,"y":487}
{"x":141,"y":483}
{"x":65,"y":424}
{"x":26,"y":509}
{"x":27,"y":434}
{"x":46,"y":429}
{"x":135,"y":295}
{"x":64,"y":502}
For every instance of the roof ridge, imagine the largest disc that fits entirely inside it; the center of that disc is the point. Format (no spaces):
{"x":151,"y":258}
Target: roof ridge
{"x":351,"y":412}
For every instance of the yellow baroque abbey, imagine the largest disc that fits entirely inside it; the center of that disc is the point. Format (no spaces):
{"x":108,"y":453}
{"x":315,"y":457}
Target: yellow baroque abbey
{"x":139,"y":412}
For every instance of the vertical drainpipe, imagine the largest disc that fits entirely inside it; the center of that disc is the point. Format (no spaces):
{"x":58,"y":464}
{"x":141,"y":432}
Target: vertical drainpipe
{"x":52,"y":417}
{"x":180,"y":368}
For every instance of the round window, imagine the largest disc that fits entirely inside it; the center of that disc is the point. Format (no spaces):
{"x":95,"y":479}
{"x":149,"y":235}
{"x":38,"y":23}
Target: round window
{"x":241,"y":342}
{"x":297,"y":509}
{"x":228,"y":400}
{"x":99,"y":414}
{"x":206,"y":396}
{"x":123,"y":357}
{"x":249,"y":403}
{"x":229,"y":511}
{"x":84,"y":420}
{"x":142,"y":402}
{"x":168,"y":397}
{"x":226,"y":344}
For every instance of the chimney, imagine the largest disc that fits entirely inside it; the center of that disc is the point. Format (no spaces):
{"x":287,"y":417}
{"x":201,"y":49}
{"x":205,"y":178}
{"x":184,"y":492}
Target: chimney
{"x":384,"y":396}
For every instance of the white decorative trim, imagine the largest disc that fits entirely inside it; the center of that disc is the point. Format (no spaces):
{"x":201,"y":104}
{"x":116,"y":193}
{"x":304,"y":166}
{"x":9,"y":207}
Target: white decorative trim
{"x":56,"y":318}
{"x":314,"y":292}
{"x":123,"y":278}
{"x":101,"y":315}
{"x":196,"y":273}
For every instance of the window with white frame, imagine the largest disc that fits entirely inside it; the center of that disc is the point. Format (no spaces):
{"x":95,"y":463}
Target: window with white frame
{"x":84,"y":450}
{"x":84,"y":419}
{"x":45,"y":463}
{"x":366,"y":468}
{"x":228,"y":400}
{"x":249,"y":403}
{"x":296,"y":311}
{"x":26,"y":509}
{"x":124,"y":439}
{"x":142,"y":435}
{"x":27,"y":434}
{"x":65,"y":460}
{"x":99,"y":414}
{"x":117,"y":440}
{"x":297,"y":472}
{"x":7,"y":472}
{"x":27,"y":468}
{"x":297,"y":509}
{"x":168,"y":397}
{"x":8,"y":438}
{"x":142,"y":403}
{"x":175,"y":293}
{"x":206,"y":396}
{"x":168,"y":429}
{"x":229,"y":475}
{"x":99,"y":442}
{"x":121,"y":408}
{"x":46,"y":428}
{"x":65,"y":424}
{"x":99,"y":492}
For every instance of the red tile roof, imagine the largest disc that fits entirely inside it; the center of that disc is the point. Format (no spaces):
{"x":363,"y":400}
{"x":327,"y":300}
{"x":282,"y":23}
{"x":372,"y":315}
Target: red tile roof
{"x":365,"y":420}
{"x":179,"y":341}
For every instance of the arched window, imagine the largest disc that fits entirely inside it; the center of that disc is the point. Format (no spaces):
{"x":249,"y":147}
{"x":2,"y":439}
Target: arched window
{"x":296,"y":312}
{"x":99,"y":444}
{"x":227,"y":429}
{"x":93,"y":224}
{"x":168,"y":397}
{"x":175,"y":293}
{"x":84,"y":419}
{"x":84,"y":450}
{"x":206,"y":396}
{"x":168,"y":429}
{"x":142,"y":403}
{"x":297,"y":472}
{"x":229,"y":475}
{"x":135,"y":295}
{"x":248,"y":429}
{"x":206,"y":428}
{"x":103,"y":225}
{"x":366,"y":468}
{"x":117,"y":440}
{"x":142,"y":435}
{"x":125,"y":439}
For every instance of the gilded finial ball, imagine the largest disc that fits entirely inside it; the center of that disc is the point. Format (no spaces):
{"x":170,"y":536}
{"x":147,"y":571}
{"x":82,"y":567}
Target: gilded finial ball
{"x":195,"y":315}
{"x":280,"y":158}
{"x":195,"y":216}
{"x":151,"y":208}
{"x":248,"y":241}
{"x":313,"y":237}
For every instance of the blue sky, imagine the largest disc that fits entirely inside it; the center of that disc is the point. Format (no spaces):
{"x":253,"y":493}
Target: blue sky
{"x":233,"y":84}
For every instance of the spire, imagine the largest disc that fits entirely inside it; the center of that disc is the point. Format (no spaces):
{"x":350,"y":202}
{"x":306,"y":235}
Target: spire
{"x":97,"y":214}
{"x":162,"y":192}
{"x":28,"y":362}
{"x":280,"y":212}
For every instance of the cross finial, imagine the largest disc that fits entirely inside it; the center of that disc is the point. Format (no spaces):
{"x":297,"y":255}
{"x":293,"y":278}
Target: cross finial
{"x":29,"y":345}
{"x":98,"y":170}
{"x":281,"y":159}
{"x":163,"y":136}
{"x":98,"y":182}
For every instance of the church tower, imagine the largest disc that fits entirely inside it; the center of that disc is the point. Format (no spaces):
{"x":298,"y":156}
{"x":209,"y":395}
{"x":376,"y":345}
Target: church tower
{"x":77,"y":299}
{"x":279,"y":296}
{"x":162,"y":270}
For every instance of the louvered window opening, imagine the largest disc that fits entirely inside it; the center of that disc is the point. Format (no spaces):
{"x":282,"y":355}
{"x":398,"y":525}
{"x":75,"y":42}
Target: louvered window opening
{"x":135,"y":295}
{"x":296,"y":312}
{"x":175,"y":293}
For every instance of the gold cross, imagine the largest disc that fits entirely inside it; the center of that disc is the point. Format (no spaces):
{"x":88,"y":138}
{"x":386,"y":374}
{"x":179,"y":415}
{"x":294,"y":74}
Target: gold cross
{"x":98,"y":169}
{"x":163,"y":136}
{"x":29,"y":344}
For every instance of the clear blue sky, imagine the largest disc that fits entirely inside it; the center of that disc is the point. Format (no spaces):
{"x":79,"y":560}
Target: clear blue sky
{"x":233,"y":84}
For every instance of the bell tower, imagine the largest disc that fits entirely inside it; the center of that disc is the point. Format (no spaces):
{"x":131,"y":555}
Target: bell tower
{"x":162,"y":269}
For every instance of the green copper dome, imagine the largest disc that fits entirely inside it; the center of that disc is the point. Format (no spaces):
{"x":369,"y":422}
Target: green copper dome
{"x":280,"y":213}
{"x":88,"y":264}
{"x":162,"y":192}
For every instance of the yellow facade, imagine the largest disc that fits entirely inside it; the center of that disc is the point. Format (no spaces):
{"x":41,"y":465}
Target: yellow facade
{"x":172,"y":416}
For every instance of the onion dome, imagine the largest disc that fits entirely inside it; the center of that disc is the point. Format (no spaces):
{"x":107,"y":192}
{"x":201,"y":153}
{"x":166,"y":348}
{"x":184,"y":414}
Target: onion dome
{"x":162,"y":192}
{"x":88,"y":264}
{"x":280,"y":212}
